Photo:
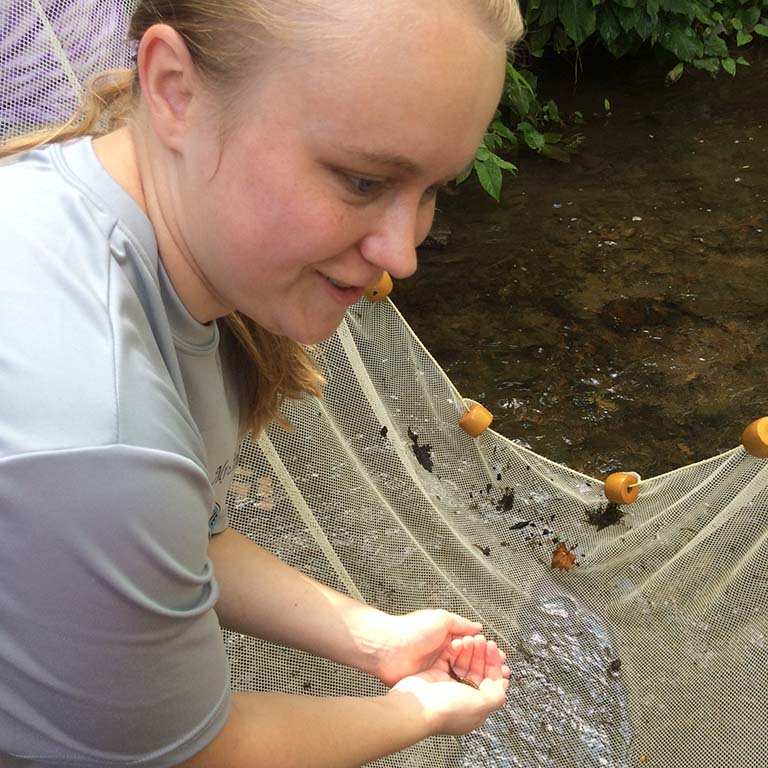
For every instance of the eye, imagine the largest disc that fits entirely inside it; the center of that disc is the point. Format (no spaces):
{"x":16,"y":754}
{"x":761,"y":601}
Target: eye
{"x":362,"y":186}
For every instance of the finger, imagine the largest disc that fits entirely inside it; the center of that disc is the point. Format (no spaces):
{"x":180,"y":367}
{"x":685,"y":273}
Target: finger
{"x":477,"y":666}
{"x":463,"y":660}
{"x":452,"y":652}
{"x":492,"y":661}
{"x":458,"y":625}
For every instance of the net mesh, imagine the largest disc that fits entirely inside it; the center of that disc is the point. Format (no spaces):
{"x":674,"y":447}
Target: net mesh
{"x":651,"y":649}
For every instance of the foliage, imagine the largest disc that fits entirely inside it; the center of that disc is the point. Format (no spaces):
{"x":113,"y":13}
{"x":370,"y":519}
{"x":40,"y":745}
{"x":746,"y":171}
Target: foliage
{"x":521,"y":120}
{"x":705,"y":34}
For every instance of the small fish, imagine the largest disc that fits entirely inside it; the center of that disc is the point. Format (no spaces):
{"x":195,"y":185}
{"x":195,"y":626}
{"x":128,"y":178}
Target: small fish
{"x":464,"y":680}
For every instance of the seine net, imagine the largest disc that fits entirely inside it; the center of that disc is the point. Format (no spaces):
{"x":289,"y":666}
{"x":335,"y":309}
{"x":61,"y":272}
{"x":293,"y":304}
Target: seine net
{"x":652,"y":648}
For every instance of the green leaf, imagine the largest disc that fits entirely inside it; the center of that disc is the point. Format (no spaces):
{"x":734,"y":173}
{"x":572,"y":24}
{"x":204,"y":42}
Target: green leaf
{"x":683,"y":7}
{"x":503,"y":130}
{"x":742,"y":38}
{"x":675,"y":73}
{"x":681,"y":40}
{"x":537,"y":40}
{"x":492,"y":141}
{"x":608,"y":24}
{"x":628,"y":17}
{"x":748,"y":17}
{"x":552,"y":112}
{"x":736,"y":24}
{"x":607,"y":105}
{"x":489,"y":175}
{"x":701,"y":15}
{"x":534,"y":140}
{"x":761,"y":29}
{"x":532,"y":137}
{"x":741,"y":60}
{"x":715,"y":46}
{"x":729,"y":65}
{"x":548,"y":11}
{"x":526,"y":80}
{"x":505,"y":165}
{"x":710,"y":64}
{"x":578,"y":19}
{"x":644,"y":26}
{"x":464,"y":175}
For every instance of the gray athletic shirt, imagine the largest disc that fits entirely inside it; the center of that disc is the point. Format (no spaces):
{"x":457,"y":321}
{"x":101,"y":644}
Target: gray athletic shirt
{"x":118,"y":436}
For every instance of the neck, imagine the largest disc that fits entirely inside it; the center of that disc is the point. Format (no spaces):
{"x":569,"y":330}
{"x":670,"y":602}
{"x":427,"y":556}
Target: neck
{"x":117,"y":153}
{"x":129,"y":161}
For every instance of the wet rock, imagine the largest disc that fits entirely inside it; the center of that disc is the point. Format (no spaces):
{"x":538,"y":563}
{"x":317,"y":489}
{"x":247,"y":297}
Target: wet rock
{"x":439,"y":237}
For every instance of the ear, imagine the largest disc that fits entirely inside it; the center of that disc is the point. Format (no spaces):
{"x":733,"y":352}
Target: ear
{"x":169,"y":82}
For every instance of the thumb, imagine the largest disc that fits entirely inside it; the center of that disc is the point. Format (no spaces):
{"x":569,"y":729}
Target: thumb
{"x":458,"y":625}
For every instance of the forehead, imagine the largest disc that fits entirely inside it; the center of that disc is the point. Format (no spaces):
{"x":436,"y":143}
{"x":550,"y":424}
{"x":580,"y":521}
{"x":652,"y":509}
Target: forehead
{"x":390,"y":87}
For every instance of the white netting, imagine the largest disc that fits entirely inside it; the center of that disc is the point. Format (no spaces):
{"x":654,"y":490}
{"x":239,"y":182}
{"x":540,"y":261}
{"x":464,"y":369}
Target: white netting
{"x":49,"y":50}
{"x":653,"y":645}
{"x":652,"y":648}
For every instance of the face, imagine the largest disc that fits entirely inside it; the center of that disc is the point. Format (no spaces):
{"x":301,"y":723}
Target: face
{"x":329,"y":175}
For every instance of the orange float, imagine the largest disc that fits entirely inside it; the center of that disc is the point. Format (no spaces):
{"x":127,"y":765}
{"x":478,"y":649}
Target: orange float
{"x":476,"y":420}
{"x":622,"y":487}
{"x":381,"y":290}
{"x":755,"y":438}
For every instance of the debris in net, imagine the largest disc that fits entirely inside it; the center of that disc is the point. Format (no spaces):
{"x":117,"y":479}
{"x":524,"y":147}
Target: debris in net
{"x":563,"y":558}
{"x":519,"y":526}
{"x":614,"y":668}
{"x":485,"y":550}
{"x":384,"y":431}
{"x":602,"y":517}
{"x":507,"y":501}
{"x":423,"y":453}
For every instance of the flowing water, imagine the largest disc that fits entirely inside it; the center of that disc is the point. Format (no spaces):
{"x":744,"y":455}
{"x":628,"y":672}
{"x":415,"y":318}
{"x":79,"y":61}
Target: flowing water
{"x":612,"y":312}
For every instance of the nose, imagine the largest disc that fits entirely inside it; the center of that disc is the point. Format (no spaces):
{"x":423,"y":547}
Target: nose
{"x":391,"y":245}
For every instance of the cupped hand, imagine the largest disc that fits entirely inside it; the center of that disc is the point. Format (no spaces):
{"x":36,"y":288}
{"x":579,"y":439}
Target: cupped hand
{"x":416,"y":642}
{"x":464,"y":685}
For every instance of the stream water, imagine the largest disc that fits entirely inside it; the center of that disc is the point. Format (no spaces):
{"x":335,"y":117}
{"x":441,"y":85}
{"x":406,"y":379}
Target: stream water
{"x":612,"y":312}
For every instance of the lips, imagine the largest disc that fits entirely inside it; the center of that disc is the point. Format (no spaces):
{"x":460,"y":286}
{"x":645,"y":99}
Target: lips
{"x":338,"y":284}
{"x":343,"y":293}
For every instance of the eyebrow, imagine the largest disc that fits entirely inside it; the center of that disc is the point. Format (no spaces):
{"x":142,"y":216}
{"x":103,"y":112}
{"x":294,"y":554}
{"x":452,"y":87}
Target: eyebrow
{"x":399,"y":162}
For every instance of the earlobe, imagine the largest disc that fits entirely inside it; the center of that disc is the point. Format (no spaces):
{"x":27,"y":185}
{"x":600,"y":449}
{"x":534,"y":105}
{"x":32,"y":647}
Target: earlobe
{"x":168,"y":79}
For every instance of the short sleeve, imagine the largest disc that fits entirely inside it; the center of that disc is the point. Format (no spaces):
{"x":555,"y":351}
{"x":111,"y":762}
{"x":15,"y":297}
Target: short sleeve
{"x":111,"y":653}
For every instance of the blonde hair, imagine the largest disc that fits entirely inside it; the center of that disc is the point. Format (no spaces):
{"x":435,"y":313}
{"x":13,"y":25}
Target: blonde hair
{"x":224,"y":37}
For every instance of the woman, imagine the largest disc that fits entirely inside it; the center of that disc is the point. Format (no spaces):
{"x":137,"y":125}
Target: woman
{"x":265,"y":162}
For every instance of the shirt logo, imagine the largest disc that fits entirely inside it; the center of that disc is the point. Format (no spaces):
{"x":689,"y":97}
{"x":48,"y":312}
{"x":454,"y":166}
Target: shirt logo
{"x":213,"y":518}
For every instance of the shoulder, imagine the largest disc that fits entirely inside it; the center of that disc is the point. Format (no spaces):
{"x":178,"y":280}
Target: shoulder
{"x":56,"y":333}
{"x":81,"y":364}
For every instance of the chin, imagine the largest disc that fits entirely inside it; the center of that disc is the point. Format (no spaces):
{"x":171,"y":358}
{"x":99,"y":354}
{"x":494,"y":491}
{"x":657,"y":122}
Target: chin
{"x":314,"y":336}
{"x":303,"y":330}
